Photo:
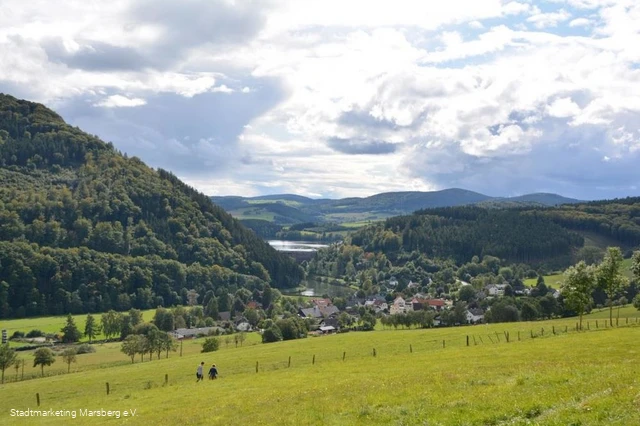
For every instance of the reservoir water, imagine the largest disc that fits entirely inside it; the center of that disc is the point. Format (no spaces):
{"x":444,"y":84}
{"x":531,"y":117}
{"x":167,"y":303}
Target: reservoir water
{"x":283,"y":245}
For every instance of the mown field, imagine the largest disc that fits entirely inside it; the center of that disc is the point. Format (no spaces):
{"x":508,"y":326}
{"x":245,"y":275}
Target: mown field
{"x":580,"y":378}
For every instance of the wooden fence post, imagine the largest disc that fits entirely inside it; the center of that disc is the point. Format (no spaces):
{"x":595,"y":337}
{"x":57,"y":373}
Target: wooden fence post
{"x":166,"y":379}
{"x":256,"y":366}
{"x":374,"y":352}
{"x":565,"y":329}
{"x":518,"y":335}
{"x":180,"y":347}
{"x":38,"y":399}
{"x":344,"y":354}
{"x":553,"y":329}
{"x":497,"y":336}
{"x":107,"y":388}
{"x":314,"y":360}
{"x":542,"y":331}
{"x":489,"y":336}
{"x":467,"y":340}
{"x":474,"y":341}
{"x":289,"y":362}
{"x":411,"y":347}
{"x":443,"y":343}
{"x":531,"y":333}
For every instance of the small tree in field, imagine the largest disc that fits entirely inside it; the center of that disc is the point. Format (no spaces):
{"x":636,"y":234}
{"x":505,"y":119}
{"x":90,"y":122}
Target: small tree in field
{"x":42,"y":357}
{"x":609,"y":278}
{"x":130,"y":345}
{"x":91,"y":328}
{"x":69,"y":356}
{"x":70,"y":331}
{"x":211,"y":344}
{"x":8,"y":357}
{"x":580,"y":281}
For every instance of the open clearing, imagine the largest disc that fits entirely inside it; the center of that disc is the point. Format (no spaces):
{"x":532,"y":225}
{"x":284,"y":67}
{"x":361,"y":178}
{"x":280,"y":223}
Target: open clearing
{"x":586,"y":378}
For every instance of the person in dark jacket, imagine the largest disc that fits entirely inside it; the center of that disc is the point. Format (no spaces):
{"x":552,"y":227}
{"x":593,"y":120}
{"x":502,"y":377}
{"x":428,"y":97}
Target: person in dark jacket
{"x":213,"y":372}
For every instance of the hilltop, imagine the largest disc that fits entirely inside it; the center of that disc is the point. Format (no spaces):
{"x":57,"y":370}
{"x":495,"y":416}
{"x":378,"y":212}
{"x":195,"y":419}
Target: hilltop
{"x":84,"y":228}
{"x":286,"y":209}
{"x":272,"y":216}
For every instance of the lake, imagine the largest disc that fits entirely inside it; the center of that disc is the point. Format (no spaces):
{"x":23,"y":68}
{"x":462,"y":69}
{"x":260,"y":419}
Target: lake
{"x":315,"y":288}
{"x":283,"y":245}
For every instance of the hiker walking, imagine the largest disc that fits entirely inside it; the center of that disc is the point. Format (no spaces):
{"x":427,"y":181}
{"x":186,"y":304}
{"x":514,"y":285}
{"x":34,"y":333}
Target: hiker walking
{"x":199,"y":372}
{"x":213,"y":372}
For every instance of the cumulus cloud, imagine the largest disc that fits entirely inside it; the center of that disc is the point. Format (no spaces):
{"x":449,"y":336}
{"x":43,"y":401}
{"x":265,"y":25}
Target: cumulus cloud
{"x":550,"y":19}
{"x":115,"y":101}
{"x":338,"y":98}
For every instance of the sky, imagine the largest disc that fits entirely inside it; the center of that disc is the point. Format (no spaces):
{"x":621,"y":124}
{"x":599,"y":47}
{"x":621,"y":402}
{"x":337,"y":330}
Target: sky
{"x":328,"y":98}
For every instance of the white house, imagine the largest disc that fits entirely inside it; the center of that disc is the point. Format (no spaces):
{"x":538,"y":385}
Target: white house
{"x":496,"y":289}
{"x":399,"y":306}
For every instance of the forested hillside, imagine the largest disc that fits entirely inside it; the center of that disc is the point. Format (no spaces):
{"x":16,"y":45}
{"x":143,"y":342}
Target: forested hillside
{"x":459,"y":233}
{"x":532,"y":235}
{"x":83,"y":228}
{"x":618,"y":219}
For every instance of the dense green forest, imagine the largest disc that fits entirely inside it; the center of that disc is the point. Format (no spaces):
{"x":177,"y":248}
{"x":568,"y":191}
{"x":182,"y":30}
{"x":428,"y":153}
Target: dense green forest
{"x":459,"y":233}
{"x":84,"y":228}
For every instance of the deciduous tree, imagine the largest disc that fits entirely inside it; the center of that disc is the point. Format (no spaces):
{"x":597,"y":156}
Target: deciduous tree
{"x":609,"y":278}
{"x":69,"y":356}
{"x":42,"y":357}
{"x":8,"y":358}
{"x":579,"y":283}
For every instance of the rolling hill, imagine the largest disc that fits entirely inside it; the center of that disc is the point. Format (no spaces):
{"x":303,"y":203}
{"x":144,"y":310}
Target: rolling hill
{"x":271,"y":216}
{"x":84,"y":228}
{"x":287,"y":209}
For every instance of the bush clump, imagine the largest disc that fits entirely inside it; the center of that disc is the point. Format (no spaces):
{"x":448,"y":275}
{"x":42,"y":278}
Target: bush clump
{"x":211,"y":344}
{"x":85,"y":348}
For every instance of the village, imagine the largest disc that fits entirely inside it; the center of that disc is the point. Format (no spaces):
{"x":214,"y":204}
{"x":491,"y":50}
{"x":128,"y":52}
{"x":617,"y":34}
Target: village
{"x":324,"y":315}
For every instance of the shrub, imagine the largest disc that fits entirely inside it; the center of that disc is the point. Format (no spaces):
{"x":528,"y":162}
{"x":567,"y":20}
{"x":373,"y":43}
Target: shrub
{"x":17,"y":335}
{"x":272,"y":334}
{"x":211,"y":344}
{"x":35,"y":333}
{"x":85,"y":348}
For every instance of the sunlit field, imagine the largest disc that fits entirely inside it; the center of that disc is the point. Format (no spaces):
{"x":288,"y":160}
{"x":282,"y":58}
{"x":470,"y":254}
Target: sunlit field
{"x":416,"y":377}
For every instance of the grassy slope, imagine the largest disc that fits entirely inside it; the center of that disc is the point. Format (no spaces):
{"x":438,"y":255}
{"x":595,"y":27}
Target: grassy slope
{"x":554,"y":380}
{"x":54,"y":324}
{"x":555,"y":280}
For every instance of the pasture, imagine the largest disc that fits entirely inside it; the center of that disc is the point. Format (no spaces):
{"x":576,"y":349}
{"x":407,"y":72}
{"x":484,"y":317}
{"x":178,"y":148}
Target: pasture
{"x":53,"y":324}
{"x":555,"y":280}
{"x":586,"y":378}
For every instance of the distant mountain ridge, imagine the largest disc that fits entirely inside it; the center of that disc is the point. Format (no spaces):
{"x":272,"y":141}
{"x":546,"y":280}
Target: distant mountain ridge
{"x":300,"y":209}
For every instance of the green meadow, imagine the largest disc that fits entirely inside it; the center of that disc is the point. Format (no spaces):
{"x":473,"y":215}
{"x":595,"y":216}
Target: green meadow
{"x":54,"y":324}
{"x":555,"y":280}
{"x":566,"y":378}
